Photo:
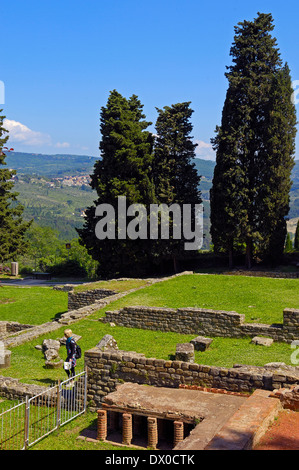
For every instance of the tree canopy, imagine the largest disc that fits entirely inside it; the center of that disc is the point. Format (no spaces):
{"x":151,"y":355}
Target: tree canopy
{"x":254,"y":147}
{"x":12,"y":225}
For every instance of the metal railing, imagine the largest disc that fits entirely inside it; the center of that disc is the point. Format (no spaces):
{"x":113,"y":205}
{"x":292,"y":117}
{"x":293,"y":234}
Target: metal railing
{"x":12,"y":428}
{"x":30,"y":421}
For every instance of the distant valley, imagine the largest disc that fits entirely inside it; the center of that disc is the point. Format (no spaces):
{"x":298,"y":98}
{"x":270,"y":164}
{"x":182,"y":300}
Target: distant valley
{"x":55,"y":192}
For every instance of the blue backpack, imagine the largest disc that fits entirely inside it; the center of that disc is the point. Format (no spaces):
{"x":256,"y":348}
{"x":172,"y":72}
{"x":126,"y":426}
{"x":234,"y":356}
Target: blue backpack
{"x":78,"y":351}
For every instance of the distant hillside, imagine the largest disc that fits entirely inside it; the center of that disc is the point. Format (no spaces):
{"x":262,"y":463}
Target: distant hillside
{"x":62,"y":207}
{"x":50,"y":165}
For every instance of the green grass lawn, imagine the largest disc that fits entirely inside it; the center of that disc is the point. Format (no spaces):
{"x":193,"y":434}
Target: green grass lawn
{"x":260,"y":299}
{"x":31,"y":305}
{"x":66,"y":437}
{"x":116,"y":285}
{"x":27,"y":363}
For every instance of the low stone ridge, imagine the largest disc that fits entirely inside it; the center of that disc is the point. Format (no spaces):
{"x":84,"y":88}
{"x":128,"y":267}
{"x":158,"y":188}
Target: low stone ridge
{"x":12,"y":389}
{"x":260,"y":341}
{"x":8,"y":328}
{"x":81,"y":299}
{"x":289,"y":397}
{"x":109,"y":368}
{"x":204,"y":322}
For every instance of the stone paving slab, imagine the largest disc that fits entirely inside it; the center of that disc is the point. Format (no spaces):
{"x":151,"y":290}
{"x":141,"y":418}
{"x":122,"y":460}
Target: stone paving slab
{"x":246,"y":427}
{"x":213,"y":409}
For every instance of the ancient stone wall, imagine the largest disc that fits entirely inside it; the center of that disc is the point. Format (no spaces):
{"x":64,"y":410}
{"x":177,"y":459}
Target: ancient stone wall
{"x":201,"y":321}
{"x":10,"y":327}
{"x":274,"y":274}
{"x":109,"y":368}
{"x":12,"y":389}
{"x":78,"y":300}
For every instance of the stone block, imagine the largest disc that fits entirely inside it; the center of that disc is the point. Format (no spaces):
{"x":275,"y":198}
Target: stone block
{"x":107,"y":343}
{"x":259,"y":340}
{"x":50,"y":344}
{"x":184,"y":352}
{"x":5,"y":358}
{"x":201,"y":343}
{"x":51,"y":354}
{"x":54,"y":365}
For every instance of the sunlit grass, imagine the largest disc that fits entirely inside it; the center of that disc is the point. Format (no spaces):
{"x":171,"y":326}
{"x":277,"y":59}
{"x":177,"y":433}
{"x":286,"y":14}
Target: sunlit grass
{"x":260,"y":299}
{"x":31,"y":305}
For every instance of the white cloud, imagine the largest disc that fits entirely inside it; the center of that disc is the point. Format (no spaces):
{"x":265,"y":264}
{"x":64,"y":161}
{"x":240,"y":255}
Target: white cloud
{"x":22,"y":134}
{"x":204,"y":150}
{"x":62,"y":145}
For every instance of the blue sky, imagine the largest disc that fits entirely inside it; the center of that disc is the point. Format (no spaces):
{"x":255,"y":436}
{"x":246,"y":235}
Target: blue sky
{"x":60,"y":60}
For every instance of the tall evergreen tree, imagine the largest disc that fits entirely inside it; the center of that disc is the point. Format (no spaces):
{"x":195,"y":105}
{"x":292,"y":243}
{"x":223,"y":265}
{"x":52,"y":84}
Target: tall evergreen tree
{"x":175,"y":176}
{"x":255,"y":147}
{"x":12,"y":226}
{"x":124,"y":169}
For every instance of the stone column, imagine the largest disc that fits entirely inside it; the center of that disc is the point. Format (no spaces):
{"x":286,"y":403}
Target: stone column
{"x":102,"y":425}
{"x":127,"y":429}
{"x":178,"y":432}
{"x":152,"y":432}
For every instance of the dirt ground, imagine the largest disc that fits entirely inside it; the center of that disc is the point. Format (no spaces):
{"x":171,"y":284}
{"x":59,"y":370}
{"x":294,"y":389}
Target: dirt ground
{"x":283,"y":434}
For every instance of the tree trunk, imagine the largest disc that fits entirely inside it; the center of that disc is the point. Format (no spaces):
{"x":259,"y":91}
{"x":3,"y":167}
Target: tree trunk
{"x":175,"y":265}
{"x":248,"y":259}
{"x":230,"y":256}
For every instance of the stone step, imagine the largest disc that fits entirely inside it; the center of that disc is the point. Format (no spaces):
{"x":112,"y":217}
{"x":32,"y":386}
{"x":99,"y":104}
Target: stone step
{"x":246,"y":427}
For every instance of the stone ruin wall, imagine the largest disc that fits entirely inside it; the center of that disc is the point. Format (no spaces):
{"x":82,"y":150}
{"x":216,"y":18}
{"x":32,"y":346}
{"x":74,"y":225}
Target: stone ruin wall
{"x":11,"y":327}
{"x":205,"y":322}
{"x":78,"y":300}
{"x":108,"y":368}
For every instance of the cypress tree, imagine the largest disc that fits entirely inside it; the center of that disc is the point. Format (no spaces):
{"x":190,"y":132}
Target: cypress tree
{"x":175,"y":175}
{"x":276,"y":162}
{"x":254,"y":147}
{"x":124,"y":169}
{"x":12,"y":226}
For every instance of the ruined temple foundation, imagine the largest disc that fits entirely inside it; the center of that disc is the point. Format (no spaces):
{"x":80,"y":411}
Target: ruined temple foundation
{"x":157,"y":417}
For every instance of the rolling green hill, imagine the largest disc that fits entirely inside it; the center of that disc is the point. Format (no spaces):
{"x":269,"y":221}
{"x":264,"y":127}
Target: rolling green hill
{"x":50,"y":165}
{"x":60,"y":208}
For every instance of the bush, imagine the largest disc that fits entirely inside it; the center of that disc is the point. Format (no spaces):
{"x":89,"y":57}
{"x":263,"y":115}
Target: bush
{"x":68,"y":268}
{"x":26,"y":270}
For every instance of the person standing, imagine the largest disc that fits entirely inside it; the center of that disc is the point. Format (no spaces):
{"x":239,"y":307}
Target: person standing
{"x":71,"y":353}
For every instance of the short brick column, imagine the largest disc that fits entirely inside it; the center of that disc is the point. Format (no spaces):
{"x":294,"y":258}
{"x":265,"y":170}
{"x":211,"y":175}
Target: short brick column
{"x":178,"y":432}
{"x":102,"y":425}
{"x":152,"y":432}
{"x":127,"y":429}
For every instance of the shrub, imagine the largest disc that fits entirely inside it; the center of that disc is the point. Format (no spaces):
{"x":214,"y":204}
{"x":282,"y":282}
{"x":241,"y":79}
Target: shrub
{"x":69,"y":268}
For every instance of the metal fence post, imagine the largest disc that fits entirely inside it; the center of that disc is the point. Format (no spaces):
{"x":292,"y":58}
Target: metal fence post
{"x":85,"y":388}
{"x":26,"y":423}
{"x":58,"y":404}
